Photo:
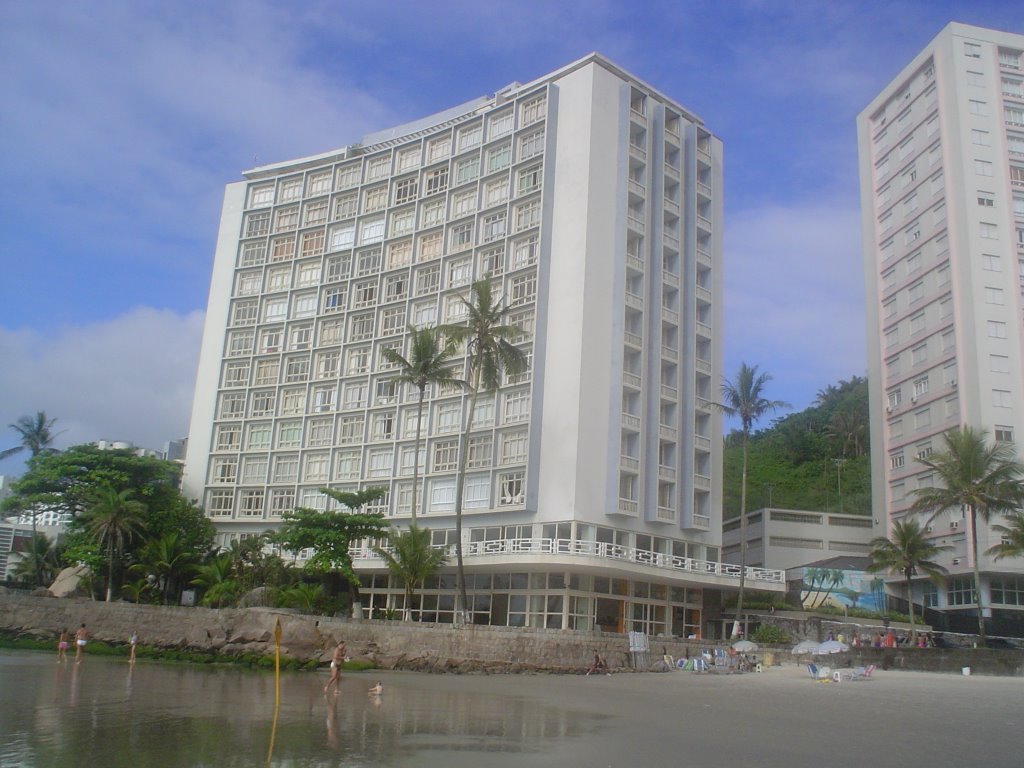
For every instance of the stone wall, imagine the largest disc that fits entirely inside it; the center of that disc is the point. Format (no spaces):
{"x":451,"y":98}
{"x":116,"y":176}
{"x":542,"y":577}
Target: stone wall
{"x":409,"y":645}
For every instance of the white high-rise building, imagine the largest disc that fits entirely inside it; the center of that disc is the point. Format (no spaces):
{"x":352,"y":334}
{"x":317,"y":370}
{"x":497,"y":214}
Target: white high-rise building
{"x":593,"y":203}
{"x":942,"y":195}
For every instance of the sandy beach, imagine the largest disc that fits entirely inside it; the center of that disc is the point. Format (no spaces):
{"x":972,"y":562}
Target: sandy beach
{"x":776,"y":719}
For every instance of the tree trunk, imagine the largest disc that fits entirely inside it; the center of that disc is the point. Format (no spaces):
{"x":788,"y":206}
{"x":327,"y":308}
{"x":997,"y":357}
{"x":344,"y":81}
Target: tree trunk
{"x":110,"y":573}
{"x":977,"y":575}
{"x":910,"y":606}
{"x":416,"y":454}
{"x":743,"y":544}
{"x":460,"y":482}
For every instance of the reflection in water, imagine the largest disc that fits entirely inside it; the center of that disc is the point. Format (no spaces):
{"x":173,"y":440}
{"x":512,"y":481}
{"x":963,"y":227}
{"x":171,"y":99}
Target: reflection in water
{"x":110,"y":713}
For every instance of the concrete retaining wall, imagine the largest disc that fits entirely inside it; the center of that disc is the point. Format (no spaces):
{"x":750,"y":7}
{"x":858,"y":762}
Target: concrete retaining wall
{"x":410,"y":645}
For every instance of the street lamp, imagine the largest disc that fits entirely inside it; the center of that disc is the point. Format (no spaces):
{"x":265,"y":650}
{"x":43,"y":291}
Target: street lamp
{"x":839,"y":481}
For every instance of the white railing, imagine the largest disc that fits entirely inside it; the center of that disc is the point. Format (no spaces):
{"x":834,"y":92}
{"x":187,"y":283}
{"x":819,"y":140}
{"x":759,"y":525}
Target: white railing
{"x":594,"y":549}
{"x":634,"y":262}
{"x":633,"y":339}
{"x":629,"y":421}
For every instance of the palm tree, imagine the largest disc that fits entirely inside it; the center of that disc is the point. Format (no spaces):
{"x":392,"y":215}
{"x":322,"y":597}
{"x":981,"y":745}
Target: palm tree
{"x":37,"y":437}
{"x":1013,"y":537}
{"x":425,"y":365}
{"x":214,"y":578}
{"x":169,"y":560}
{"x":744,"y":399}
{"x":36,"y":434}
{"x":489,"y":352}
{"x":411,"y":560}
{"x":41,"y":561}
{"x":907,"y":551}
{"x":114,"y":518}
{"x":978,"y":477}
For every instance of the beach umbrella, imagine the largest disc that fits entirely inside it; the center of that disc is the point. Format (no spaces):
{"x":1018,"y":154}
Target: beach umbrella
{"x":830,"y":646}
{"x":744,"y":646}
{"x":804,"y":646}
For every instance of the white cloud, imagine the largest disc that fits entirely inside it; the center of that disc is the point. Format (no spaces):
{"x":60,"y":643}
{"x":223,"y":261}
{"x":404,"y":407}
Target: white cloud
{"x":794,"y":297}
{"x":130,"y":378}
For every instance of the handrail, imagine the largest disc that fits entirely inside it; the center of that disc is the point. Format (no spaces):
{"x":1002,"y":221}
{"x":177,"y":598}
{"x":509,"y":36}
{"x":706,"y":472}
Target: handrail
{"x":578,"y":548}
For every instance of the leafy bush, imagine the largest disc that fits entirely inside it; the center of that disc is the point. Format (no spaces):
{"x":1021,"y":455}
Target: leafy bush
{"x":769,"y":634}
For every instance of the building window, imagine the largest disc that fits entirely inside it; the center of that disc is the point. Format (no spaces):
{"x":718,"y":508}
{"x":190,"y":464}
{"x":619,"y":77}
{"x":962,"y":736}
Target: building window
{"x":499,"y":124}
{"x":479,"y":452}
{"x":460,"y":236}
{"x":348,"y":465}
{"x":361,"y":327}
{"x":392,"y":321}
{"x":219,"y":503}
{"x":531,"y":144}
{"x":343,"y":237}
{"x":493,"y":227}
{"x":403,"y":222}
{"x":430,"y":246}
{"x":371,"y":232}
{"x":516,"y":406}
{"x":960,"y":590}
{"x":896,"y":460}
{"x":396,"y":287}
{"x":254,"y":469}
{"x":982,"y":168}
{"x":1001,"y":398}
{"x":460,"y":273}
{"x":523,"y":289}
{"x":511,"y":489}
{"x":346,"y":207}
{"x":356,"y":395}
{"x":470,"y":136}
{"x":499,"y":157}
{"x":446,"y":455}
{"x":467,"y":169}
{"x":258,"y":437}
{"x":996,"y":329}
{"x":529,"y":180}
{"x":428,"y":280}
{"x":350,"y":430}
{"x":492,"y":261}
{"x":495,"y":192}
{"x":994,"y":296}
{"x":463,"y":203}
{"x":513,"y":447}
{"x":527,"y":215}
{"x":436,"y":181}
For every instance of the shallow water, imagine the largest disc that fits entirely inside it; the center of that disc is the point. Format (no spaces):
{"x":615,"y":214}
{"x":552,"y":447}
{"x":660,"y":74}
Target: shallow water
{"x":107,"y":713}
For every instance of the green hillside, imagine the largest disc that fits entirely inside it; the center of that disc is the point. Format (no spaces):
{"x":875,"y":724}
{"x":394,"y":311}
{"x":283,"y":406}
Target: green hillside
{"x":793,"y":462}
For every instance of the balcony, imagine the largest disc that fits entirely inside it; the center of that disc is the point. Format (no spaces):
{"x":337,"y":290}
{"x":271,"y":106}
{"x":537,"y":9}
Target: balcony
{"x":703,"y":154}
{"x":671,"y":240}
{"x":666,"y":473}
{"x":669,"y":353}
{"x":627,"y":507}
{"x":629,"y":463}
{"x":637,"y":188}
{"x":704,"y":223}
{"x":703,"y":523}
{"x":703,"y":294}
{"x":703,"y":482}
{"x":637,"y":151}
{"x":667,"y":433}
{"x":670,"y":316}
{"x":672,"y":206}
{"x":631,"y":422}
{"x":703,"y":404}
{"x":704,"y":330}
{"x":703,"y":189}
{"x":666,"y":514}
{"x":703,"y":257}
{"x":669,"y":392}
{"x":634,"y":263}
{"x":703,"y":366}
{"x":636,"y":224}
{"x":633,"y":339}
{"x":669,"y":279}
{"x":634,"y":300}
{"x":702,"y":443}
{"x":631,"y":380}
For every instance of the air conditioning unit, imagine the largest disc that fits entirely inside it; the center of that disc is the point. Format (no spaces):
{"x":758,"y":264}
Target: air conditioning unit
{"x":952,"y":384}
{"x":954,"y":524}
{"x":913,"y":399}
{"x":956,"y":561}
{"x":888,"y":409}
{"x":929,"y":528}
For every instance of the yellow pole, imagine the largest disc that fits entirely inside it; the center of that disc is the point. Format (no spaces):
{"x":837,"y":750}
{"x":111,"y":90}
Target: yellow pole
{"x":277,"y":687}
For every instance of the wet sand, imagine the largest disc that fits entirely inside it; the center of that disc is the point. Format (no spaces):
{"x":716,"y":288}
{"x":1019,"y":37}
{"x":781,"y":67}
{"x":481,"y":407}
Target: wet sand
{"x":776,"y":719}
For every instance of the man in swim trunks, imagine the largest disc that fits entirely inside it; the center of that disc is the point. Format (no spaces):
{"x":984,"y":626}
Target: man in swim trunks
{"x":337,"y":659}
{"x":80,"y":637}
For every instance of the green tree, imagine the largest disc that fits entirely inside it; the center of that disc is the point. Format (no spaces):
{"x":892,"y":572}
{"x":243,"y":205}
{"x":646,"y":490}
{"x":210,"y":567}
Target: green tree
{"x":330,"y":534}
{"x":301,"y":596}
{"x":412,"y":560}
{"x":36,"y":436}
{"x":1012,"y":544}
{"x":426,"y":365}
{"x":114,"y":518}
{"x":744,"y":399}
{"x":215,"y":580}
{"x":907,"y":551}
{"x":978,"y":477}
{"x":40,"y":564}
{"x":489,"y":352}
{"x":170,"y":560}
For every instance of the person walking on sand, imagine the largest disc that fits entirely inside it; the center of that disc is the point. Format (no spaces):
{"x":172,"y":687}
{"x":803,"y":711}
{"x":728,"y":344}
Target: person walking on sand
{"x":133,"y":641}
{"x":62,"y":646}
{"x":337,"y":659}
{"x":81,"y":636}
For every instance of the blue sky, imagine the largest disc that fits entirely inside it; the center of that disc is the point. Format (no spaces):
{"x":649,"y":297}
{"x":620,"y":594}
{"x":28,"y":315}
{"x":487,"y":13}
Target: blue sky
{"x":122,"y":121}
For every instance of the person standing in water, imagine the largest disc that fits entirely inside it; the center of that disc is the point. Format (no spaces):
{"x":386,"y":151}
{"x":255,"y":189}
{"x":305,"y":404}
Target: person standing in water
{"x":81,"y":636}
{"x":133,"y":641}
{"x":337,"y":659}
{"x":62,"y":646}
